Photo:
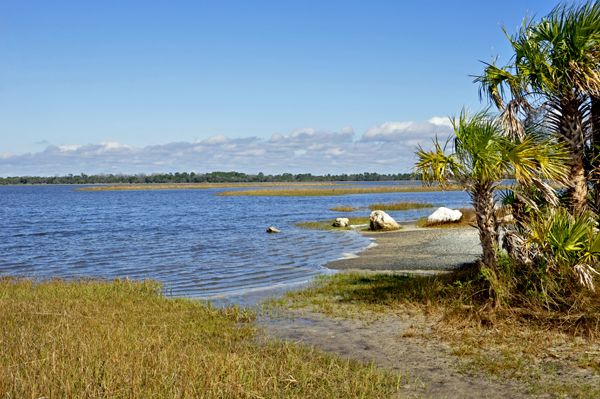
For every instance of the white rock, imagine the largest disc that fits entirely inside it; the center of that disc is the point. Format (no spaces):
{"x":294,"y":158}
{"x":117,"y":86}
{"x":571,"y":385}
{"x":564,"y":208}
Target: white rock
{"x":273,"y":230}
{"x":380,"y":220}
{"x":442,"y":215}
{"x":341,"y":222}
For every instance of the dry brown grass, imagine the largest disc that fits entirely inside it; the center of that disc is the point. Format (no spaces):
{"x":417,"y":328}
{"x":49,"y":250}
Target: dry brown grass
{"x":98,"y":339}
{"x":121,"y":187}
{"x":321,"y":192}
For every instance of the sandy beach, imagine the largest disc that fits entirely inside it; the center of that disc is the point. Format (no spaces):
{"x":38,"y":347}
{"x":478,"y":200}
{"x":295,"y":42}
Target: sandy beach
{"x":403,"y":343}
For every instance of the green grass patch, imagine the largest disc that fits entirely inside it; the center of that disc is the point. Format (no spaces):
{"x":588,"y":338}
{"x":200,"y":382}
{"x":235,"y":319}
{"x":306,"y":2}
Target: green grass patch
{"x":399,"y":206}
{"x":124,"y":339}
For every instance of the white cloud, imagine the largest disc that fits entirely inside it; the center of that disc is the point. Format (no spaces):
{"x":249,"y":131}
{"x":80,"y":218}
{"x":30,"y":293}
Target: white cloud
{"x":71,"y":147}
{"x":214,"y":140}
{"x":387,"y":148}
{"x":409,"y":132}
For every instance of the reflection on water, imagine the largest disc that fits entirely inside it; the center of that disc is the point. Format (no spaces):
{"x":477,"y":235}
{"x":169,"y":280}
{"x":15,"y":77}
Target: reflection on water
{"x":197,"y":244}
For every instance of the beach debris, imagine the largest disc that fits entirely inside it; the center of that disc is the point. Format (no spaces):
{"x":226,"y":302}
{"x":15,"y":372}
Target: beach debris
{"x":341,"y":222}
{"x":273,"y":230}
{"x":443,"y":215}
{"x":379,"y":220}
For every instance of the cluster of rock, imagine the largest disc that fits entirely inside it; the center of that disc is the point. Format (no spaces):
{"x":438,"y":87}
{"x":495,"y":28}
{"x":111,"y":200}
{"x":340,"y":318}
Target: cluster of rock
{"x":444,"y":215}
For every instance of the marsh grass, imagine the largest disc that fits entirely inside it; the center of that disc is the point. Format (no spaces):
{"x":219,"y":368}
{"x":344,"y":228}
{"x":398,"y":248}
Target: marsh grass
{"x":340,"y":208}
{"x":323,"y":192}
{"x":124,"y":187}
{"x":399,"y":206}
{"x":328,"y":224}
{"x":546,"y":342}
{"x":124,"y":339}
{"x":468,"y":219}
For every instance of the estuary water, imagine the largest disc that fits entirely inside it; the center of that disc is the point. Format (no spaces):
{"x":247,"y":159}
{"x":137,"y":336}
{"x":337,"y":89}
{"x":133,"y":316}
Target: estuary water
{"x":199,"y":245}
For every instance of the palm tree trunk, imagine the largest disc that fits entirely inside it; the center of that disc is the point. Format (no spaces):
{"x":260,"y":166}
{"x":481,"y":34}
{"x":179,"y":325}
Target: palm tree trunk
{"x":571,"y":124}
{"x":595,"y":118}
{"x":482,"y":197}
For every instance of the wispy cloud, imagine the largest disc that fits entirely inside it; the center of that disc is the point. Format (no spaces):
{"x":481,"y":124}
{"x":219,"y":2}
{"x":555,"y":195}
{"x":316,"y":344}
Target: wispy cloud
{"x":386,"y":148}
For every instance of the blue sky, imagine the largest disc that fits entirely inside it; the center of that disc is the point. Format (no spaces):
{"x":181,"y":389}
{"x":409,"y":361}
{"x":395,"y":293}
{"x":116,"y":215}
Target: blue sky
{"x":278,"y":86}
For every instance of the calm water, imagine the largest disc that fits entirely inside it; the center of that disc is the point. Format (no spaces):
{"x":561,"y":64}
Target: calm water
{"x":199,"y":245}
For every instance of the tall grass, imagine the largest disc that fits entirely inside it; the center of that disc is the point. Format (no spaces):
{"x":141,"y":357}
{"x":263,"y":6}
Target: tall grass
{"x":321,"y":192}
{"x":121,"y":338}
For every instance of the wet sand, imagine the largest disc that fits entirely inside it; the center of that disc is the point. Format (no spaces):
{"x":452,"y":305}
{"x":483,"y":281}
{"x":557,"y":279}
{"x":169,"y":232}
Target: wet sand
{"x":397,"y":341}
{"x":416,"y":250}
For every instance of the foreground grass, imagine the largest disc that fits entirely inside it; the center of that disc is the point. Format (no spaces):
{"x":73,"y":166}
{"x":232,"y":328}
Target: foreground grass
{"x":122,"y":187}
{"x":546,"y":351}
{"x":323,"y":192}
{"x":123,"y":339}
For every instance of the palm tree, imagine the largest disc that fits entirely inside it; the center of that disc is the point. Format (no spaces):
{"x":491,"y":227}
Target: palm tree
{"x":555,"y":66}
{"x":483,"y":155}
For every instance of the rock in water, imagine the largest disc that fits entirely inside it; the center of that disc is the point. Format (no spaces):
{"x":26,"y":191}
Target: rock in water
{"x":273,"y":230}
{"x":442,"y":215}
{"x":379,"y":220}
{"x":341,"y":222}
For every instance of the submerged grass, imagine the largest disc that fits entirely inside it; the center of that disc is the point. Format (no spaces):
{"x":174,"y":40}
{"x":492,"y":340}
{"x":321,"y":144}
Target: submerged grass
{"x":123,"y":339}
{"x":122,"y":187}
{"x":399,"y":206}
{"x":321,"y":192}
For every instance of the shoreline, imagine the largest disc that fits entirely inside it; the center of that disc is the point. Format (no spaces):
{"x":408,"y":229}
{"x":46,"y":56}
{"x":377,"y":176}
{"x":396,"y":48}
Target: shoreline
{"x":414,"y":250}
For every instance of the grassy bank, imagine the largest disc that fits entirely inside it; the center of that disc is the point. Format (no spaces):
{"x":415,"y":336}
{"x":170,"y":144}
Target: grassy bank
{"x":123,"y":339}
{"x":323,"y":192}
{"x":195,"y":186}
{"x":546,"y":349}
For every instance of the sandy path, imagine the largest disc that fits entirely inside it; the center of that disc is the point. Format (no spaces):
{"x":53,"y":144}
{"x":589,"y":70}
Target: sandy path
{"x":388,"y":343}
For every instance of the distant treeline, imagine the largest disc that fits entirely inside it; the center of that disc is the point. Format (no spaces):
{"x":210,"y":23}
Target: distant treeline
{"x":213,"y":177}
